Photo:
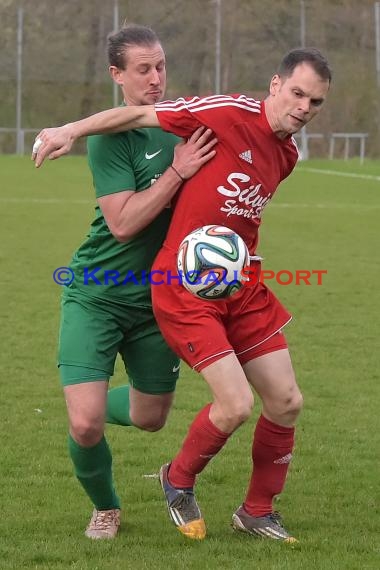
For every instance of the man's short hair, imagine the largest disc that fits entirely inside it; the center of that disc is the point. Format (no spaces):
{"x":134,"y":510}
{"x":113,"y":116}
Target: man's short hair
{"x":312,"y":56}
{"x":129,"y":35}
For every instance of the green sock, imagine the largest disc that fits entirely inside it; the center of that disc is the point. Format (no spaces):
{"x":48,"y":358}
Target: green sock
{"x":118,"y":406}
{"x":93,"y":468}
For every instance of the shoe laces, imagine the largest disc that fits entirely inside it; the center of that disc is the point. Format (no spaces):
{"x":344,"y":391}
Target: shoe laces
{"x":186,"y":502}
{"x":103,"y":519}
{"x":276,"y":518}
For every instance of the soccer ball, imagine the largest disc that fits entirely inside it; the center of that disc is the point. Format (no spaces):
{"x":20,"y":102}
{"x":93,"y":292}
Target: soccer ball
{"x":210,"y":261}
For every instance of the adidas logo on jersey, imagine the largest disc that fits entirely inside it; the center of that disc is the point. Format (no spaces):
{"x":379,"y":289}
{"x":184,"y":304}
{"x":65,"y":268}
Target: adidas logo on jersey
{"x":247,"y":156}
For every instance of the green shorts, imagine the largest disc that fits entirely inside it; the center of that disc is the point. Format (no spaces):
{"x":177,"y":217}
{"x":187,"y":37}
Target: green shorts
{"x":93,"y":332}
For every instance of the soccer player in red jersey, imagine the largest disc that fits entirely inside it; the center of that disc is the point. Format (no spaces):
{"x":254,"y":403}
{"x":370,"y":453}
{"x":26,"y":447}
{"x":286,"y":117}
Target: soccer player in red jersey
{"x":237,"y":343}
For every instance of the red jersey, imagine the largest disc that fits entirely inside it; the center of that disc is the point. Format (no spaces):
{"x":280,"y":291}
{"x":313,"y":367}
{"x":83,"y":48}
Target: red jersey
{"x":234,"y":187}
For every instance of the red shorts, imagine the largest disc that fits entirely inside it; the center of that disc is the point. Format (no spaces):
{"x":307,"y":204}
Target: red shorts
{"x":201,"y":332}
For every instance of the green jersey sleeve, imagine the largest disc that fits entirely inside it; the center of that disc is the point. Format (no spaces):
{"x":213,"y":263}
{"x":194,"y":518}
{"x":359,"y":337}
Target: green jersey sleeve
{"x":111,"y":162}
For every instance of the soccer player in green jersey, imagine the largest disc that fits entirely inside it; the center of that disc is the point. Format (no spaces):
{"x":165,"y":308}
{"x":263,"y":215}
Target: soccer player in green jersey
{"x":107,"y":309}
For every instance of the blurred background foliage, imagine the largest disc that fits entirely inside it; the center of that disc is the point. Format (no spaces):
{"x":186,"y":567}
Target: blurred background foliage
{"x":64,"y":66}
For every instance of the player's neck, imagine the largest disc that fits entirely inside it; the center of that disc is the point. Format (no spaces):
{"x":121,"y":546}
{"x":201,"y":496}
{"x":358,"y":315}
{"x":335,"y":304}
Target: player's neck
{"x":273,"y":120}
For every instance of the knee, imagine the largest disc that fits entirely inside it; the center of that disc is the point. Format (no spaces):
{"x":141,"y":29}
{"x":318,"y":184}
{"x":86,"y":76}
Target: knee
{"x":149,"y":423}
{"x":296,"y":404}
{"x":292,"y":407}
{"x":237,"y":412}
{"x":148,"y":412}
{"x":287,"y":409}
{"x":86,"y":433}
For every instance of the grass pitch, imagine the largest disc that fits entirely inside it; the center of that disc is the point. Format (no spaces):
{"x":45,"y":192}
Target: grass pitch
{"x":319,"y":220}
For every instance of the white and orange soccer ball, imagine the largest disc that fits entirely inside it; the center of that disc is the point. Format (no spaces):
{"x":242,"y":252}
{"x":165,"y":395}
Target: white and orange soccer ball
{"x":210,"y":261}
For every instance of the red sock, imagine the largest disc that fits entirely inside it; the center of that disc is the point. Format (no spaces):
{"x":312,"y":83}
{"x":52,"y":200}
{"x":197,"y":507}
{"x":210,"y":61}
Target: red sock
{"x":202,"y":442}
{"x":271,"y":454}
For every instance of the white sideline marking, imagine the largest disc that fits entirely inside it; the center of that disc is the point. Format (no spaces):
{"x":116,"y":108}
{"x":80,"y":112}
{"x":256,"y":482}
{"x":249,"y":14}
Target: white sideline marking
{"x":151,"y":476}
{"x":358,"y":207}
{"x":11,"y":200}
{"x":339,"y":173}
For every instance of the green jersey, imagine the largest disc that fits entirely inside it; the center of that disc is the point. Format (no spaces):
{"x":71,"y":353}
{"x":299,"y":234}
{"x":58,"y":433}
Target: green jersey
{"x":103,"y":267}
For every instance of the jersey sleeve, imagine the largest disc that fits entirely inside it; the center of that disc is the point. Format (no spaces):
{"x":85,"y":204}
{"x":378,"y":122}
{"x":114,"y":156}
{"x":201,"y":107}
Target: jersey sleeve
{"x":110,"y":164}
{"x":184,"y":115}
{"x":176,"y":117}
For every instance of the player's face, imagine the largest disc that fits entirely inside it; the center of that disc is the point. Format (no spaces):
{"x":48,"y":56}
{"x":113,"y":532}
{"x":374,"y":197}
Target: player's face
{"x":297,"y":99}
{"x":143,"y":81}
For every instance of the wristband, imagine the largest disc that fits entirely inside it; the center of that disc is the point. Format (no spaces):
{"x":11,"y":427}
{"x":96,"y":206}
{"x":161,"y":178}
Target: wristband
{"x":177,"y":173}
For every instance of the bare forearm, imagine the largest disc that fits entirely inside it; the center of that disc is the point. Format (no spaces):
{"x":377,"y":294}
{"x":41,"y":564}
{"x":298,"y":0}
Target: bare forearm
{"x":55,"y":142}
{"x":114,"y":121}
{"x":143,"y":207}
{"x":127,"y":213}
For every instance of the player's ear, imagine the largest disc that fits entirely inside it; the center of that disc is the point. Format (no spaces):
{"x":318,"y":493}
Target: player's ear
{"x":115,"y":73}
{"x":274,"y":84}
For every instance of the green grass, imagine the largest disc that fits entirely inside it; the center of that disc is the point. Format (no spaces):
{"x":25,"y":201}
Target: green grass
{"x":332,"y":498}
